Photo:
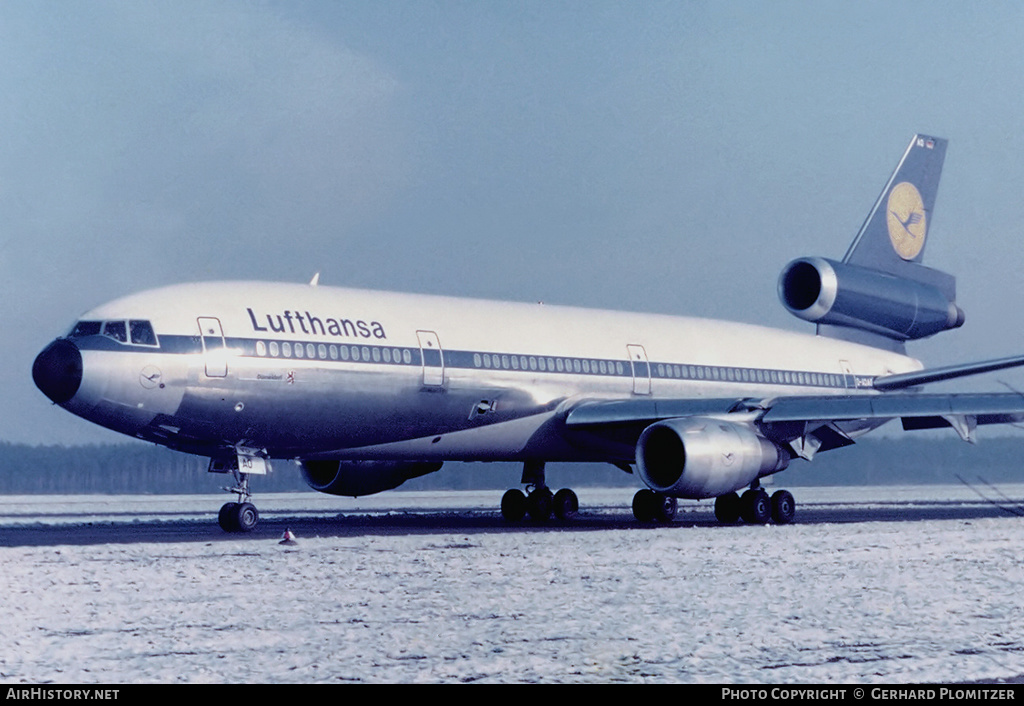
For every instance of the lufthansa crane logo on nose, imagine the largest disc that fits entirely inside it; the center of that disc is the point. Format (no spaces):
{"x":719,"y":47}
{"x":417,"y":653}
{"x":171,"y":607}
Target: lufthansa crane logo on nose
{"x":906,"y":220}
{"x":150,"y":377}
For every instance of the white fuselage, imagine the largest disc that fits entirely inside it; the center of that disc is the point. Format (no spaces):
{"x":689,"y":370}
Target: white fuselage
{"x":321,"y":372}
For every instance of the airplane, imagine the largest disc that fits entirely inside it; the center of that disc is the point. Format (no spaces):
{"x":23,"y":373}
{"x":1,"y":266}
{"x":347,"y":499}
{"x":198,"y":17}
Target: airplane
{"x":365,"y":390}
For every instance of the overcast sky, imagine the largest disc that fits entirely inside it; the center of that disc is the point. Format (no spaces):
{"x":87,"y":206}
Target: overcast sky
{"x":654,"y":156}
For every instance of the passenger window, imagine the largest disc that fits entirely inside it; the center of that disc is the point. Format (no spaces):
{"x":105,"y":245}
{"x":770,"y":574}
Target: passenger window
{"x":116,"y":330}
{"x":142,"y":333}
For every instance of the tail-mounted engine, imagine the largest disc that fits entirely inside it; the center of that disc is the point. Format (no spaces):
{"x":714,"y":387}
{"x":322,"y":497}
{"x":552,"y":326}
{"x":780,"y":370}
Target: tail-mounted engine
{"x":358,"y":478}
{"x":899,"y":308}
{"x":700,"y":457}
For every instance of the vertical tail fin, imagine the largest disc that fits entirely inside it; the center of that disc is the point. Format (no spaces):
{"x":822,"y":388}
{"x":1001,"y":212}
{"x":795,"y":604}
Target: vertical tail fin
{"x":896,"y":229}
{"x":880,"y":294}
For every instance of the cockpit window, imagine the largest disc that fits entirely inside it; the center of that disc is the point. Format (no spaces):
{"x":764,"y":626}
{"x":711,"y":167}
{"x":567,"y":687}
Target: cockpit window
{"x":116,"y":330}
{"x":139,"y":331}
{"x":142,"y":333}
{"x":86,"y":328}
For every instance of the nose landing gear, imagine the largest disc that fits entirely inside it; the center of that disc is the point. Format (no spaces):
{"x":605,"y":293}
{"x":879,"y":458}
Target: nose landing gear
{"x":240,"y":516}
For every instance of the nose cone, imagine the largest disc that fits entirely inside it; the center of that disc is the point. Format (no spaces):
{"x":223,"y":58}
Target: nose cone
{"x":58,"y":370}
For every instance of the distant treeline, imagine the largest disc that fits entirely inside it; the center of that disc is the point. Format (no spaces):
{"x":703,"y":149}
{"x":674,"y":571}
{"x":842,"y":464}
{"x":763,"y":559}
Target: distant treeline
{"x":143,"y":468}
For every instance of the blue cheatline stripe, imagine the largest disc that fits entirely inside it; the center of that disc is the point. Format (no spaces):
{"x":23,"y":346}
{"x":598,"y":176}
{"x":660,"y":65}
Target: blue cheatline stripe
{"x":376,"y":354}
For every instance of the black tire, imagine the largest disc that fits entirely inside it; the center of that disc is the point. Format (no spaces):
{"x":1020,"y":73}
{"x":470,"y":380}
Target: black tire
{"x":727,"y":508}
{"x":539,"y":504}
{"x":566,"y":504}
{"x":644,"y":505}
{"x":227,"y":518}
{"x":783,"y":507}
{"x":513,"y":505}
{"x":246,"y":517}
{"x":755,"y":507}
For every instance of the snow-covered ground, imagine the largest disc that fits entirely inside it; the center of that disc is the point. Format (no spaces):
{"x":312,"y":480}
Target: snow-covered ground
{"x":457,"y":596}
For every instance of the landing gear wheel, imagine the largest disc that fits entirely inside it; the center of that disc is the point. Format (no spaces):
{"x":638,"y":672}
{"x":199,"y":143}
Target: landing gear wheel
{"x":246,"y":517}
{"x":727,"y":508}
{"x":755,"y":507}
{"x":238,"y":517}
{"x":566,"y":505}
{"x":783,"y":507}
{"x":513,"y":505}
{"x":643,"y":504}
{"x":649,"y":506}
{"x":227,"y":517}
{"x":539,"y":504}
{"x":665,"y":509}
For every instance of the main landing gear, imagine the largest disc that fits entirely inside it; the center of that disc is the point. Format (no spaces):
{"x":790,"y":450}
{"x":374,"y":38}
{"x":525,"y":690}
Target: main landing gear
{"x":649,"y":506}
{"x":756,"y":507}
{"x":538,"y":502}
{"x":753,"y":507}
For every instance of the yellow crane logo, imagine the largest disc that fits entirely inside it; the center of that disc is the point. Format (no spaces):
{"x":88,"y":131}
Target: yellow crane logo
{"x":906,"y":220}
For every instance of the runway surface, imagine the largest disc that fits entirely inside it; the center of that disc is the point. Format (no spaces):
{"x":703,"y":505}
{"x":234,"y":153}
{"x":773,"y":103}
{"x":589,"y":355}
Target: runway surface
{"x":869,"y":585}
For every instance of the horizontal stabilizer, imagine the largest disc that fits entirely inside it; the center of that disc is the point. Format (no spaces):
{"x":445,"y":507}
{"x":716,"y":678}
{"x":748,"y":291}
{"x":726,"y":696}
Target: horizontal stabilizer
{"x":950,"y":372}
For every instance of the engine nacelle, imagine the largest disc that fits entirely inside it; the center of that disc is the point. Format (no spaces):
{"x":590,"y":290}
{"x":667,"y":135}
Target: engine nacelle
{"x":358,"y":478}
{"x":699,"y":457}
{"x":827,"y":292}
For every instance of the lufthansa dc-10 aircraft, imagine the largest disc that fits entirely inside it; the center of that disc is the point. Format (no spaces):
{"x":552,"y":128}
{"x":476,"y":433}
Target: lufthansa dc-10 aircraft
{"x":365,"y":390}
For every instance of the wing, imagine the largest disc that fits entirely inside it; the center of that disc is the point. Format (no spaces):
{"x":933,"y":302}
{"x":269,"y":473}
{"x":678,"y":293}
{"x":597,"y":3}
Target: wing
{"x":805,"y":424}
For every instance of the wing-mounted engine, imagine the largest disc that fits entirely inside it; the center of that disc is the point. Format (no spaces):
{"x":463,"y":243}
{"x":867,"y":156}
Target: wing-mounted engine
{"x":358,"y":478}
{"x":701,"y":457}
{"x":899,"y":308}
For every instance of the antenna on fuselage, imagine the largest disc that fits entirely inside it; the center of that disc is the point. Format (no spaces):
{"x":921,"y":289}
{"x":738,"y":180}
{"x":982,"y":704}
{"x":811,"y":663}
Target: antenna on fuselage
{"x":315,"y":281}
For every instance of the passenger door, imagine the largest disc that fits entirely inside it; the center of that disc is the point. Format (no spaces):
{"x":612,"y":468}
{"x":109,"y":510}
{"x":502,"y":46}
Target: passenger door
{"x":432,"y":357}
{"x":641,"y":369}
{"x":215,"y":350}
